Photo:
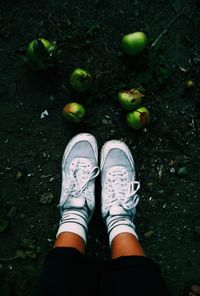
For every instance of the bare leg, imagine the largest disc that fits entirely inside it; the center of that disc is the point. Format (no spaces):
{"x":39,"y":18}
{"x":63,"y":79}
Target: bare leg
{"x":126,"y":244}
{"x":119,"y":198}
{"x":70,"y":240}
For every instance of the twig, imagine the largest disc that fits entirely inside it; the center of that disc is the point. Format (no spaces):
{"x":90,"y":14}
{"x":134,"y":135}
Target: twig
{"x":8,"y":259}
{"x":45,"y":176}
{"x":160,"y":172}
{"x":160,"y":36}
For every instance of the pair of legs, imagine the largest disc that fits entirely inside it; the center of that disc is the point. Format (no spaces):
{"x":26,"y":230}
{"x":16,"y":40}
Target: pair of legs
{"x":67,"y":271}
{"x":124,"y":244}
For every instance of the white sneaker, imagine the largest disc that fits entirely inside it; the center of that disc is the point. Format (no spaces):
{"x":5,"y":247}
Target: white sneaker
{"x":119,"y":198}
{"x":79,"y":170}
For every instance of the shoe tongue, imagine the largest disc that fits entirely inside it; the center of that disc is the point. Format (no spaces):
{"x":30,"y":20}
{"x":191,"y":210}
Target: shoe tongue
{"x":117,"y":210}
{"x":75,"y":202}
{"x":118,"y":168}
{"x":83,"y":162}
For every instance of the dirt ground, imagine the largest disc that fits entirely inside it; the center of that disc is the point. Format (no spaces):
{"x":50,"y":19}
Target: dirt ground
{"x":166,"y":152}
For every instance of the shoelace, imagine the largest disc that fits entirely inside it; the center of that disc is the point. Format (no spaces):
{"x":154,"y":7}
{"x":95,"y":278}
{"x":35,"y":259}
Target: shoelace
{"x":119,"y":184}
{"x":73,"y":187}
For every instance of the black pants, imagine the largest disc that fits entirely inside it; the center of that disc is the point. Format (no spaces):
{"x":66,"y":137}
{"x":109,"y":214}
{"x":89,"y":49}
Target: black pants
{"x":68,"y":272}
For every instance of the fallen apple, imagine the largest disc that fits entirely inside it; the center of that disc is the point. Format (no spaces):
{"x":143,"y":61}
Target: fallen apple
{"x":80,"y":80}
{"x":134,"y":43}
{"x":73,"y":112}
{"x":139,"y":118}
{"x":189,"y":83}
{"x":130,"y":99}
{"x":40,"y":53}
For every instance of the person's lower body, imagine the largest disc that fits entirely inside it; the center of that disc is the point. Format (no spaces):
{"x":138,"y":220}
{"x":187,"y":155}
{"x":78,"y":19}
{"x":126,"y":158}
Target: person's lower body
{"x":66,"y":271}
{"x":69,"y":272}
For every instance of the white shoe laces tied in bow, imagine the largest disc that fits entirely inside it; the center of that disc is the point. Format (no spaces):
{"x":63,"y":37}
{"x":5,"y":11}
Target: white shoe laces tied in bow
{"x":77,"y":181}
{"x":121,"y":191}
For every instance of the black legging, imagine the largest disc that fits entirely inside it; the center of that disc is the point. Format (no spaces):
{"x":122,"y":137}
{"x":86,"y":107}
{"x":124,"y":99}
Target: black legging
{"x":68,"y":272}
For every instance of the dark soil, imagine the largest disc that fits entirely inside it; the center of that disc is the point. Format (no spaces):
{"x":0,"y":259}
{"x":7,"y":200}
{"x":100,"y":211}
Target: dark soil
{"x":166,"y":153}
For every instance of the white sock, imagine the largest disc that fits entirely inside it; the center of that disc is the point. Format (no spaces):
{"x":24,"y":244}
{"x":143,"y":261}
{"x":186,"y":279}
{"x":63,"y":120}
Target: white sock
{"x":119,"y":224}
{"x":75,"y":221}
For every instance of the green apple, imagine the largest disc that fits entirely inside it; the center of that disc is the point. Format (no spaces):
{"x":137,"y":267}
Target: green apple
{"x":40,"y":53}
{"x":134,"y":43}
{"x":189,"y":83}
{"x":80,"y":80}
{"x":74,"y":112}
{"x":130,"y":99}
{"x":139,"y":118}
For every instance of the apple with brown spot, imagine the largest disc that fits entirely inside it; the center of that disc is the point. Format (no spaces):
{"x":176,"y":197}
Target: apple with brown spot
{"x":139,"y":118}
{"x":130,"y":99}
{"x":74,"y":112}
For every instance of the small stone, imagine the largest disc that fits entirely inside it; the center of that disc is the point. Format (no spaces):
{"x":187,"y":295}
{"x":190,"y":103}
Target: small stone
{"x":145,"y":130}
{"x":46,"y":198}
{"x":51,"y":98}
{"x":105,"y":121}
{"x":8,"y":168}
{"x":30,"y":175}
{"x":20,"y":175}
{"x":112,"y":131}
{"x":149,"y":233}
{"x":68,"y":21}
{"x":44,"y":114}
{"x":136,"y":13}
{"x":183,"y":171}
{"x":172,"y":170}
{"x":49,"y":240}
